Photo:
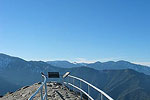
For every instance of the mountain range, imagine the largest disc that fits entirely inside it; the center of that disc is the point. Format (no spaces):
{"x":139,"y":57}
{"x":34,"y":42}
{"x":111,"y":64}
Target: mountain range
{"x":103,"y":65}
{"x":65,"y":64}
{"x":124,"y":84}
{"x":18,"y":72}
{"x":120,"y":82}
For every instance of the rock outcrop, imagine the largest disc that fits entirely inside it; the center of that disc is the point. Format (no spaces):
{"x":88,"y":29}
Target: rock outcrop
{"x":55,"y":91}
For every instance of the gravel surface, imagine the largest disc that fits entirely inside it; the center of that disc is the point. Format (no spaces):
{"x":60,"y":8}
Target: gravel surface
{"x":55,"y":91}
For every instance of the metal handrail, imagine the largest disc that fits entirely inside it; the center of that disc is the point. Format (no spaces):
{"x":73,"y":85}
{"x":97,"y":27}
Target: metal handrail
{"x":80,"y":90}
{"x":100,"y":91}
{"x":71,"y":84}
{"x":41,"y":89}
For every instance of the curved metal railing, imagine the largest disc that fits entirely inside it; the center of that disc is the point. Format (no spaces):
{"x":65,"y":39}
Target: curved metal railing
{"x":41,"y":90}
{"x":89,"y":85}
{"x":73,"y":85}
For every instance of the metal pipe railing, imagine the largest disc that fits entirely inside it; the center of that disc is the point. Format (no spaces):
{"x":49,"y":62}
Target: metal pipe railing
{"x":89,"y":85}
{"x":72,"y":85}
{"x":41,"y":90}
{"x":80,"y":90}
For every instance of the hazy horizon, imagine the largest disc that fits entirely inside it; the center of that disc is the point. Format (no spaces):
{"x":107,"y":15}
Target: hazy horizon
{"x":81,"y":60}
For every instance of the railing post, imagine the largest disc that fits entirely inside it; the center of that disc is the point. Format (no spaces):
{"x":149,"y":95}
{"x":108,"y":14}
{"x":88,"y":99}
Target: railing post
{"x":101,"y":96}
{"x":88,"y":91}
{"x":63,"y":84}
{"x":69,"y":81}
{"x":73,"y":84}
{"x":46,"y":90}
{"x":40,"y":89}
{"x":41,"y":93}
{"x":80,"y":91}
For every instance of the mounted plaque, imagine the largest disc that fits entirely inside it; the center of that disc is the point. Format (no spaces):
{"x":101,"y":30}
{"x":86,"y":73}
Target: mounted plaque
{"x":53,"y":74}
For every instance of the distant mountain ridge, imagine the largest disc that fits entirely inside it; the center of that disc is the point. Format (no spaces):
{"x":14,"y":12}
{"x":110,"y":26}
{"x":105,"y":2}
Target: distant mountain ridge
{"x":65,"y":64}
{"x":103,"y":66}
{"x":120,"y":65}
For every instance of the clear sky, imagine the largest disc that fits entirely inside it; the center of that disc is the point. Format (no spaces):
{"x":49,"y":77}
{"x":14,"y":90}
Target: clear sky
{"x":76,"y":30}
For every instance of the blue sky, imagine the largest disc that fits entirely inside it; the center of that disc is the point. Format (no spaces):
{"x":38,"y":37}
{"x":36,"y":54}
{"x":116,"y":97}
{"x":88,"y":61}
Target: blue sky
{"x":76,"y":30}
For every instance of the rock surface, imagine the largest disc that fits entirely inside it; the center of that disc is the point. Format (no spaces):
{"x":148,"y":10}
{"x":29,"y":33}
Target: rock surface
{"x":55,"y":91}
